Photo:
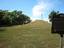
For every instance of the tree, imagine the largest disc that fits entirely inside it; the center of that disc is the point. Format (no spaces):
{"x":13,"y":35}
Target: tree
{"x":26,"y":19}
{"x":52,"y":15}
{"x":13,"y":18}
{"x":3,"y":13}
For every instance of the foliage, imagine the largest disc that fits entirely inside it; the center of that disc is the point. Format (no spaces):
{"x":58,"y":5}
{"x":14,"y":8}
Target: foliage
{"x":13,"y":18}
{"x":53,"y":14}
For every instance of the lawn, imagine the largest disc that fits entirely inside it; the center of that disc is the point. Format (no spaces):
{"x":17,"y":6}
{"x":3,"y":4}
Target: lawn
{"x":33,"y":35}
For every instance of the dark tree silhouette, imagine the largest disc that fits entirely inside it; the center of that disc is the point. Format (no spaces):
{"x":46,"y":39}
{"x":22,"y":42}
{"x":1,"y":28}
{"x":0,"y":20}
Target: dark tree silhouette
{"x":52,"y":15}
{"x":13,"y":18}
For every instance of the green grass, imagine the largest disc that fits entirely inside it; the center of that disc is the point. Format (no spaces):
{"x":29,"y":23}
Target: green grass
{"x":33,"y":35}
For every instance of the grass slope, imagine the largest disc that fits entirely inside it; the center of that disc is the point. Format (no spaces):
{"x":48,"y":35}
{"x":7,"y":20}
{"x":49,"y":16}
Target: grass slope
{"x":33,"y":35}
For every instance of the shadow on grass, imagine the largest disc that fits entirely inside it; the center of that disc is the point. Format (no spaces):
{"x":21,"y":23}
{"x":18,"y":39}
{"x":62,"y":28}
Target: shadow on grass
{"x":2,"y":29}
{"x":8,"y":25}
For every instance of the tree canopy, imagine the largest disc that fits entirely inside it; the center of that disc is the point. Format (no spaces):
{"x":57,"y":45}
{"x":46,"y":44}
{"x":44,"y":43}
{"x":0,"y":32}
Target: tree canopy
{"x":52,"y":15}
{"x":15,"y":17}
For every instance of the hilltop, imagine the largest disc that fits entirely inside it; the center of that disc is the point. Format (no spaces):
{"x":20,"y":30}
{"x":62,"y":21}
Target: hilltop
{"x":36,"y":34}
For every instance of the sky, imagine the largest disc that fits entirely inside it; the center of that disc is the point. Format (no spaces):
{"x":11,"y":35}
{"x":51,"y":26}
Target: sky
{"x":35,"y":9}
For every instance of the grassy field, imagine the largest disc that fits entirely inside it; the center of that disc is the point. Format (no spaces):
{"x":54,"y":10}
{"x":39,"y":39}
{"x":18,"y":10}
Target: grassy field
{"x":33,"y":35}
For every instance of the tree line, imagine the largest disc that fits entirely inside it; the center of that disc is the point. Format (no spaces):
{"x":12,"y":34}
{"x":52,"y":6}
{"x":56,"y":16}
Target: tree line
{"x":54,"y":14}
{"x":8,"y":18}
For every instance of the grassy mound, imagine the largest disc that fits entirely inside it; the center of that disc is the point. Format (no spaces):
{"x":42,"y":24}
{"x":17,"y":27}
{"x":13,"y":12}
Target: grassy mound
{"x":33,"y":35}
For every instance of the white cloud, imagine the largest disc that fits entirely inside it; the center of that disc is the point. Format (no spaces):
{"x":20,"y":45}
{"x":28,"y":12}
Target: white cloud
{"x":38,"y":9}
{"x":43,"y":7}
